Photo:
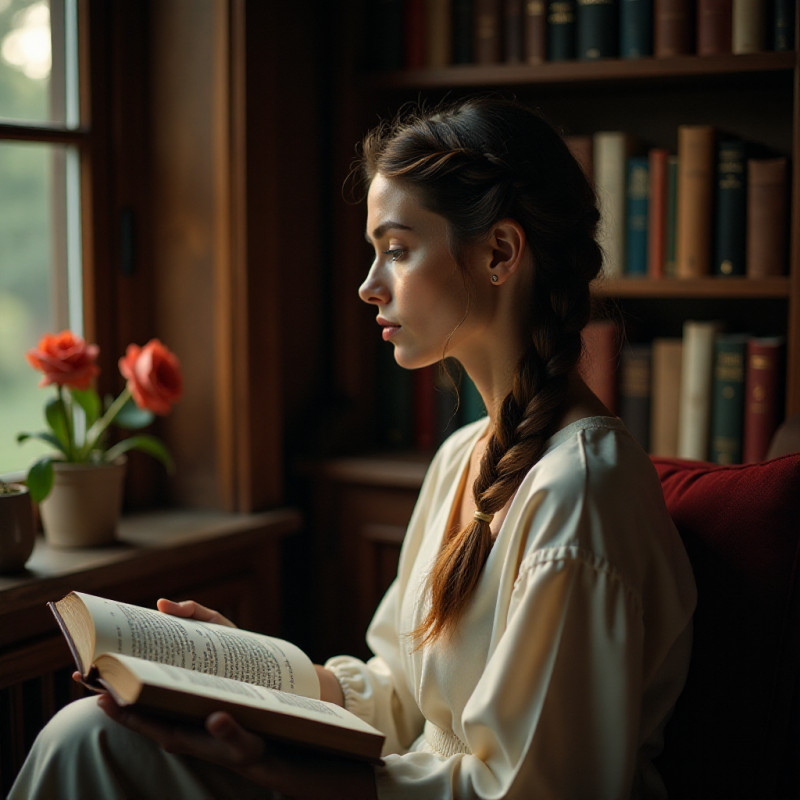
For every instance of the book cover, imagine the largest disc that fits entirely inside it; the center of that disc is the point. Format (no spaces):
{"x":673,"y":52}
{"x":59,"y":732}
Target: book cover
{"x":597,"y":29}
{"x":535,"y":31}
{"x":611,"y":152}
{"x":635,"y":28}
{"x":635,"y":382}
{"x":636,"y":215}
{"x":762,"y":395}
{"x":767,"y":217}
{"x":666,"y":370}
{"x":731,"y":208}
{"x":424,"y":392}
{"x":749,"y":26}
{"x":696,"y":380}
{"x":727,"y":398}
{"x":783,"y":25}
{"x":714,"y":20}
{"x":671,"y":227}
{"x":513,"y":31}
{"x":438,"y":33}
{"x":695,"y":200}
{"x":488,"y":31}
{"x":657,"y":212}
{"x":463,"y":31}
{"x":560,"y":30}
{"x":599,"y":362}
{"x":673,"y":28}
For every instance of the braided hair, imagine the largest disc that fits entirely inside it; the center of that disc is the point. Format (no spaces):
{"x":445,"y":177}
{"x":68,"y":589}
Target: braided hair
{"x":474,"y":163}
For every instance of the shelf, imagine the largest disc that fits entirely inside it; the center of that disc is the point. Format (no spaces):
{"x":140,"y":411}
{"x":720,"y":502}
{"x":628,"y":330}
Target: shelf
{"x":719,"y":288}
{"x":618,"y":71}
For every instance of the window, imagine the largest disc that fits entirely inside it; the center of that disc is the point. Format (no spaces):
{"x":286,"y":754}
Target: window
{"x":41,"y":141}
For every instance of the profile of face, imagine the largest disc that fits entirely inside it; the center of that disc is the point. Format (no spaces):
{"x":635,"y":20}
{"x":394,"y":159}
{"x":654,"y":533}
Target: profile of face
{"x":427,"y":306}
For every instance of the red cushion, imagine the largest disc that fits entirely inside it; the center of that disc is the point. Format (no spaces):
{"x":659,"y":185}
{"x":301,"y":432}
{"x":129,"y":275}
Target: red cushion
{"x":735,"y":730}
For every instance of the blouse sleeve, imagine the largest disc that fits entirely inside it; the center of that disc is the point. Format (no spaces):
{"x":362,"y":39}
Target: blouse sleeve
{"x":556,"y":711}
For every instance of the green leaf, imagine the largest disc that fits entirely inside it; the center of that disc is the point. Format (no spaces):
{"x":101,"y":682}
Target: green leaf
{"x":89,"y":401}
{"x":147,"y":444}
{"x":40,"y":479}
{"x":45,"y":437}
{"x":132,"y":417}
{"x":56,"y":417}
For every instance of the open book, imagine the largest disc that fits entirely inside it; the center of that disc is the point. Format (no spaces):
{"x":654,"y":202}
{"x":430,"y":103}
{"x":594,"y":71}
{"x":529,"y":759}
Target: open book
{"x":185,"y":669}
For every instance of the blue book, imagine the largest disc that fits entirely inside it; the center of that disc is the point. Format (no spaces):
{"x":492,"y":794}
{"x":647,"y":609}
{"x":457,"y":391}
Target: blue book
{"x":636,"y":215}
{"x":635,"y":28}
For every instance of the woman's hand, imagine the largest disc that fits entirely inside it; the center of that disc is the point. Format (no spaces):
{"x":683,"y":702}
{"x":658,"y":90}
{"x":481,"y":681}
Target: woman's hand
{"x":191,"y":610}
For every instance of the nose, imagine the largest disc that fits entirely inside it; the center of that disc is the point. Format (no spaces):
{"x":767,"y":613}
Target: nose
{"x":374,"y":290}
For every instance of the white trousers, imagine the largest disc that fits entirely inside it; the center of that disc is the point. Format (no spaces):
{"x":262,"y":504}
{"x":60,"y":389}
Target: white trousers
{"x":82,"y":754}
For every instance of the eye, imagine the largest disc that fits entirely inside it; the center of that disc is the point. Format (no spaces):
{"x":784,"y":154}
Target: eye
{"x":394,"y":253}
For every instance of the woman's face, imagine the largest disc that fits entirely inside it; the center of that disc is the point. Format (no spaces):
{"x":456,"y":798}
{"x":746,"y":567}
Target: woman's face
{"x":414,"y":282}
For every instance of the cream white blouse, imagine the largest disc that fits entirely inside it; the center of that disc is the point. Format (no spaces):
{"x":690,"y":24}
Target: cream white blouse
{"x":573,"y":650}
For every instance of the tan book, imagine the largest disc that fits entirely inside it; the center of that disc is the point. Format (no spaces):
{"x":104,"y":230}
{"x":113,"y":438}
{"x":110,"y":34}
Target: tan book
{"x":438,"y":33}
{"x":186,"y":669}
{"x":697,"y":372}
{"x":749,"y":26}
{"x":767,"y":217}
{"x":695,"y":219}
{"x":665,"y":396}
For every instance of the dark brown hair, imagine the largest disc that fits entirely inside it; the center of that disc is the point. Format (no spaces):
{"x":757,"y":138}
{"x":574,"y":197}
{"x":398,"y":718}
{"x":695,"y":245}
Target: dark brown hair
{"x":475,"y":162}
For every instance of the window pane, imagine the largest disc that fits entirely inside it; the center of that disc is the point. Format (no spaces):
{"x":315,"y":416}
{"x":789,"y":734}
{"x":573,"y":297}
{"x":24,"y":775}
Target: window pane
{"x":34,"y":284}
{"x":36,"y":77}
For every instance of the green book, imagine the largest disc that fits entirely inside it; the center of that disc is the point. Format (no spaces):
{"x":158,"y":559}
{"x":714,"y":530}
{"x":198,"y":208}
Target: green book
{"x":727,"y":398}
{"x":672,"y":215}
{"x":731,"y":208}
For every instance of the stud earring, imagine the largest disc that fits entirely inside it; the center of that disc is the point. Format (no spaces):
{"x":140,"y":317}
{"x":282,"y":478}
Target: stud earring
{"x":494,"y":278}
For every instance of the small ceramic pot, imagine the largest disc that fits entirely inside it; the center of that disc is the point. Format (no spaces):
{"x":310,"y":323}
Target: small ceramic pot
{"x":17,"y":528}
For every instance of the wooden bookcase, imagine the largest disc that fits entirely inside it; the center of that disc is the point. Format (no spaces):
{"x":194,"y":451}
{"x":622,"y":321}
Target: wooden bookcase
{"x":756,"y":97}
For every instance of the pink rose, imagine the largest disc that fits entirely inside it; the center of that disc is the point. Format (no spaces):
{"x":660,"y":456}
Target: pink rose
{"x":65,"y":359}
{"x":154,"y":376}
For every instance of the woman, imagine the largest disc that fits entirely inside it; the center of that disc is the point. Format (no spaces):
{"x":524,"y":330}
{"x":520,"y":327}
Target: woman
{"x":538,"y":632}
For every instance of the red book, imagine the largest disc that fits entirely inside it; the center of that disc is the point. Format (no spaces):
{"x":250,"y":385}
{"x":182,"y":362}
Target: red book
{"x":714,"y":27}
{"x":673,"y":28}
{"x":657,"y":213}
{"x":488,"y":31}
{"x":599,"y":362}
{"x":767,"y":216}
{"x":535,"y":31}
{"x":762,"y":395}
{"x":415,"y":39}
{"x":425,"y":407}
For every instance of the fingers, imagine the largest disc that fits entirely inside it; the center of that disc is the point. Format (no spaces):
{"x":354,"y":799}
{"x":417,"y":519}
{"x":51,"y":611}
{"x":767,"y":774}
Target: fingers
{"x":192,"y":610}
{"x":242,"y":748}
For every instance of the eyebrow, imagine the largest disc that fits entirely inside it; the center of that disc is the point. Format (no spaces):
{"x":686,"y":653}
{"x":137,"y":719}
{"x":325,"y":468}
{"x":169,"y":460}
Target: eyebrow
{"x":383,"y":228}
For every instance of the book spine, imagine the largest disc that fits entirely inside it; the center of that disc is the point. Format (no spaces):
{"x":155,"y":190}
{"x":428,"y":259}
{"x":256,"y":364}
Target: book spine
{"x":731,"y":208}
{"x":535,"y":31}
{"x":611,"y":149}
{"x":597,"y":29}
{"x":695,"y":196}
{"x":634,"y":391}
{"x":414,"y":27}
{"x":657,"y":208}
{"x":561,"y":30}
{"x":762,"y":395}
{"x":512,"y":31}
{"x":635,"y":28}
{"x":695,"y":398}
{"x":727,"y":404}
{"x":671,"y":227}
{"x":665,"y":400}
{"x":463,"y":31}
{"x":673,"y":29}
{"x":488,"y":31}
{"x":582,"y":149}
{"x":749,"y":26}
{"x":767,"y":217}
{"x":424,"y":392}
{"x":438,"y":33}
{"x":599,"y":364}
{"x":636,"y":217}
{"x":714,"y":20}
{"x":783,"y":25}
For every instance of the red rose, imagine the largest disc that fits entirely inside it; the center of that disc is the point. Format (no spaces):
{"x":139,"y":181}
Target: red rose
{"x":154,"y":376}
{"x":65,"y":359}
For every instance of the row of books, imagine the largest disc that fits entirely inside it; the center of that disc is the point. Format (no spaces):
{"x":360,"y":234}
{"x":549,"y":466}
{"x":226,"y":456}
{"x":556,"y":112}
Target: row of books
{"x":709,"y":395}
{"x":414,"y":34}
{"x":719,"y":206}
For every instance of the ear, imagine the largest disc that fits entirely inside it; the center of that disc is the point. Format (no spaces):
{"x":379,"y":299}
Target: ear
{"x":507,"y":241}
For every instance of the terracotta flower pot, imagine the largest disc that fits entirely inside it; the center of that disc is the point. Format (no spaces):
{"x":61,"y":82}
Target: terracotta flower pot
{"x":17,"y":529}
{"x":83,"y":507}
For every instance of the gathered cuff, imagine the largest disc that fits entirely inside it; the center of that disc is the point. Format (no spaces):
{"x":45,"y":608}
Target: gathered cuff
{"x":358,"y":695}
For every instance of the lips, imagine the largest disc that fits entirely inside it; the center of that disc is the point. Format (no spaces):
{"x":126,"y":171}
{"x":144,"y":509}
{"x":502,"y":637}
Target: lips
{"x":389,"y":328}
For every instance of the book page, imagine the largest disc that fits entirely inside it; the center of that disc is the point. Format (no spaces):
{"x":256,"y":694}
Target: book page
{"x":218,"y":688}
{"x":201,"y":646}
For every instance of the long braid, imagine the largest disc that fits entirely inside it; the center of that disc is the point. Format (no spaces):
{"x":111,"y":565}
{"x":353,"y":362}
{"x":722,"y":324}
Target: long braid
{"x":475,"y":164}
